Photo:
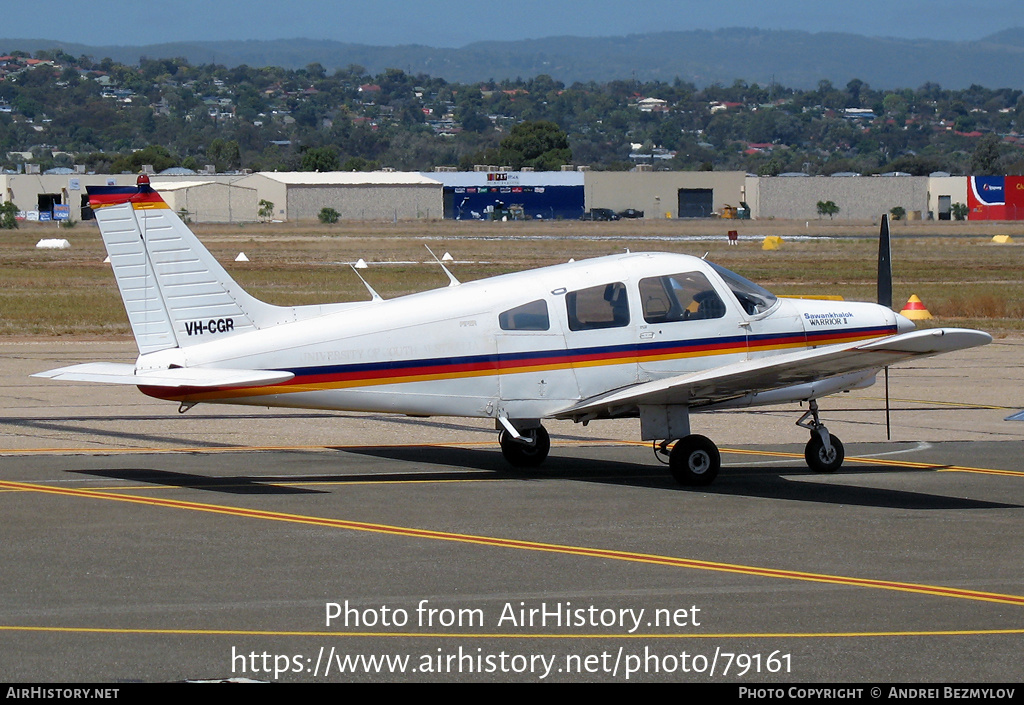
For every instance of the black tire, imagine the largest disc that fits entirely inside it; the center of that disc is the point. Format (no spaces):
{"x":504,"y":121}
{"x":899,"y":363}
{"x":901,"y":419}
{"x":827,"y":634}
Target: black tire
{"x":694,"y":461}
{"x":522,"y":455}
{"x":820,"y":461}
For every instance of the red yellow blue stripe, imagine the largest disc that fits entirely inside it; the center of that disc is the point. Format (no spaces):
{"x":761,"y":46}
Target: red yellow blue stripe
{"x":312,"y":379}
{"x":141,"y":197}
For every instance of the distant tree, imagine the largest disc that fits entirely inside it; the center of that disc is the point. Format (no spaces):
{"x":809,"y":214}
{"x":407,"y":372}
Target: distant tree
{"x":328,"y":215}
{"x":225,"y":154}
{"x":8,"y":211}
{"x":985,"y":160}
{"x":959,"y":211}
{"x":154,"y":154}
{"x":266,"y":210}
{"x":315,"y":70}
{"x":894,"y":104}
{"x":916,"y":164}
{"x":854,"y":88}
{"x":320,"y":159}
{"x":828,"y":208}
{"x":540,"y":144}
{"x":359,"y":164}
{"x":898,"y":212}
{"x":475,"y":122}
{"x":1019,"y":113}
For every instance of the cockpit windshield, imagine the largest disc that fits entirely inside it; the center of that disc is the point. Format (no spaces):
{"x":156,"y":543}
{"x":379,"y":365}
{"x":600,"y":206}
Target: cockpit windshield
{"x":753,"y":298}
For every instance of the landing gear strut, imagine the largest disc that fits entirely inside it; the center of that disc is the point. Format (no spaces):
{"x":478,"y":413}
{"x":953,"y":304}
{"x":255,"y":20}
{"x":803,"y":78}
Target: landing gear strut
{"x":694,"y":460}
{"x":527,"y":451}
{"x":824,"y":452}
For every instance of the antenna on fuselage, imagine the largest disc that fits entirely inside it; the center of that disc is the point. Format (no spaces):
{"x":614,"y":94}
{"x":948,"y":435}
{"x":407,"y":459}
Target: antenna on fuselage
{"x":374,"y":296}
{"x":452,"y":281}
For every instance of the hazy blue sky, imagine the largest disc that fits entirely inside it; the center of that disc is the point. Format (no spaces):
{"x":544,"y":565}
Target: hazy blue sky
{"x":452,"y":23}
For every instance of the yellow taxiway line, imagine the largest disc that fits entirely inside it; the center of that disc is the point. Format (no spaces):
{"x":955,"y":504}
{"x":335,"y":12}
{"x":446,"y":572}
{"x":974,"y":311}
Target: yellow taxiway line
{"x":606,"y":554}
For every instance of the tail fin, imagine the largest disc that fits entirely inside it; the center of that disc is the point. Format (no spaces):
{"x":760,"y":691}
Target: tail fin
{"x":176,"y":294}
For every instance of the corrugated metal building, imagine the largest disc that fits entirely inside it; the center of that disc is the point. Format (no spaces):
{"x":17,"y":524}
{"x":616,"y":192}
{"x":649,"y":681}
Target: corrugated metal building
{"x":661,"y":194}
{"x":376,"y":195}
{"x":210,"y":201}
{"x":858,"y":197}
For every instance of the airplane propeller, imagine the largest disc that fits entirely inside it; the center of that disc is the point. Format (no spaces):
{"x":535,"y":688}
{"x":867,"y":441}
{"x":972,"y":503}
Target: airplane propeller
{"x":884,"y":264}
{"x":885,"y":296}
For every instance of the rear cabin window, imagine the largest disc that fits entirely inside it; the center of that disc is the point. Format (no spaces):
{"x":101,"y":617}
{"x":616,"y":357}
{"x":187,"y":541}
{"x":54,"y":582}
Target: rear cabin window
{"x":603,"y":306}
{"x":531,"y":316}
{"x":679,"y":297}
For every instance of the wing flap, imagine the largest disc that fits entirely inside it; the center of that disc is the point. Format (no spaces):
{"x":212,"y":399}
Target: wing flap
{"x":121,"y":373}
{"x":779,"y":371}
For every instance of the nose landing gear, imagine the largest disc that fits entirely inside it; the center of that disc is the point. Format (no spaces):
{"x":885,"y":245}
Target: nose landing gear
{"x":824,"y":452}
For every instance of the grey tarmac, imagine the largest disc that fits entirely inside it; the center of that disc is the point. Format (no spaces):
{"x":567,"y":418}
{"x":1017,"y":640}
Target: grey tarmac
{"x":143,"y":544}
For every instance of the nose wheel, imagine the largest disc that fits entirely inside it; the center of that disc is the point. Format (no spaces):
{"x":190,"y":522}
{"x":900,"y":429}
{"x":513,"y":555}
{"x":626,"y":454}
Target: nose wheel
{"x":824,"y":452}
{"x":822,"y":459}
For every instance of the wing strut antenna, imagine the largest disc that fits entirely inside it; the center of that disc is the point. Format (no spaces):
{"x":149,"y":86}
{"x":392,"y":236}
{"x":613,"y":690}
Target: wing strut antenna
{"x":452,"y":281}
{"x":885,"y":296}
{"x":374,"y":296}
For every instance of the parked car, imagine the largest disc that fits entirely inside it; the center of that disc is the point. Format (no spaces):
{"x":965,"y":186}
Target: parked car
{"x":600,"y":214}
{"x":631,"y":213}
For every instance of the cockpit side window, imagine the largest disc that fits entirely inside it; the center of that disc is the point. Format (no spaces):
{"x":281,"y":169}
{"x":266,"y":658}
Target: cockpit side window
{"x":753,"y":298}
{"x":531,"y":316}
{"x":603,"y":306}
{"x":679,"y":297}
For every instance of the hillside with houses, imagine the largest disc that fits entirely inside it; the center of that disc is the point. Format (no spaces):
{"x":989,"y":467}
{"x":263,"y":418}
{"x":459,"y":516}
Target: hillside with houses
{"x":62,"y":112}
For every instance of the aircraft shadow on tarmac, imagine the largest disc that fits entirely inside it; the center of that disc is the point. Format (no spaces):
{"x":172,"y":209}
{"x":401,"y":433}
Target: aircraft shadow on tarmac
{"x":91,"y":425}
{"x":80,"y":427}
{"x":793,"y":483}
{"x":766,"y":483}
{"x":234,"y":484}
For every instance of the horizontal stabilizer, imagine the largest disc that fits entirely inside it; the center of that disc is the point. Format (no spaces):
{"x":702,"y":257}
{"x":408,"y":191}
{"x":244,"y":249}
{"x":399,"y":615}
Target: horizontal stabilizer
{"x":122,"y":373}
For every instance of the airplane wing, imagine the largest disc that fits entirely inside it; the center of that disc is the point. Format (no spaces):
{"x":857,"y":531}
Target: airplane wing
{"x":780,"y":371}
{"x":121,"y":373}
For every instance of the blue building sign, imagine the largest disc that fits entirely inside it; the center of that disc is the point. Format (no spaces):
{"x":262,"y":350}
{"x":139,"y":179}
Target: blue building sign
{"x":540,"y":195}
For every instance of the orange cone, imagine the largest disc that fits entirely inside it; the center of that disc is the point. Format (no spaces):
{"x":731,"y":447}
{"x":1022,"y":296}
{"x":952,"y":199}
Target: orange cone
{"x":915,"y":309}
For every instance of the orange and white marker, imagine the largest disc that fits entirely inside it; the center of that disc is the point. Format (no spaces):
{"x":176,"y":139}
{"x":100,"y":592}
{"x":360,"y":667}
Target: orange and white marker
{"x":915,"y":309}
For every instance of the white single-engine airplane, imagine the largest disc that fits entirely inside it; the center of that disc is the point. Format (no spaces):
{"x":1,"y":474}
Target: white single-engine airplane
{"x":651,"y":335}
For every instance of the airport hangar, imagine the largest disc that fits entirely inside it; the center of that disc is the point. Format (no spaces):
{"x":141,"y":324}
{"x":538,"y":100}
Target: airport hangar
{"x":390,"y":195}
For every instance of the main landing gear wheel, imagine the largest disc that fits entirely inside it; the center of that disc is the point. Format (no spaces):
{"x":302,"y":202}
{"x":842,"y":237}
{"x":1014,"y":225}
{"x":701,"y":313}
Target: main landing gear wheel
{"x":694,"y":461}
{"x":529,"y":452}
{"x":821,"y":460}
